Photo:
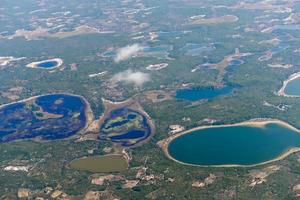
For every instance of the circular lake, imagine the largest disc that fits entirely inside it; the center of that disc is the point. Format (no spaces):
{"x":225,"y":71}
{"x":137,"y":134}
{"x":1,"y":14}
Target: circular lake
{"x":234,"y":145}
{"x":126,"y":127}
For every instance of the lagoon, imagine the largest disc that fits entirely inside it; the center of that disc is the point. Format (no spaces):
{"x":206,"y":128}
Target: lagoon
{"x":46,"y":117}
{"x":126,"y":127}
{"x":244,"y":144}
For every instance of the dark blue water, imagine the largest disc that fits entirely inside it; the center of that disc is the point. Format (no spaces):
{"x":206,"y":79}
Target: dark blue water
{"x":131,"y":116}
{"x":202,"y":93}
{"x":18,"y":120}
{"x":119,"y":132}
{"x":236,"y":62}
{"x":48,"y":64}
{"x":241,"y":145}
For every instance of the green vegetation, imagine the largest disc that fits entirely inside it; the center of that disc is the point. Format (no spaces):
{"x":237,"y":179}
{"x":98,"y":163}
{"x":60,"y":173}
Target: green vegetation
{"x":254,"y":96}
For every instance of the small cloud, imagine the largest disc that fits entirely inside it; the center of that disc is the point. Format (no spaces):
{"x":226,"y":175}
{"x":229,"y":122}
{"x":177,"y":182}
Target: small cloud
{"x":127,"y":52}
{"x":129,"y":76}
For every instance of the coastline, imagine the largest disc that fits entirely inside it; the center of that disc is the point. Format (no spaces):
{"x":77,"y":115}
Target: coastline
{"x":164,"y":144}
{"x":281,"y":91}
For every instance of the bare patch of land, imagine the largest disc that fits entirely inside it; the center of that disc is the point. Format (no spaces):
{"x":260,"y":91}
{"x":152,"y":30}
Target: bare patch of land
{"x":6,"y":60}
{"x":156,"y":67}
{"x":213,"y":20}
{"x":260,"y":176}
{"x":80,"y":30}
{"x":279,"y":65}
{"x":40,"y":33}
{"x":207,"y":181}
{"x":158,"y":96}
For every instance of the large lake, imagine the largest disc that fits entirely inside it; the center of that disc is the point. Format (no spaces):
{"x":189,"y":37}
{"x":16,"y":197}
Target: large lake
{"x":48,"y":117}
{"x":293,"y":87}
{"x":234,"y":145}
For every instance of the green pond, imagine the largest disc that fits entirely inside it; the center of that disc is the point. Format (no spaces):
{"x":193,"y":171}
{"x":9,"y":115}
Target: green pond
{"x":101,"y":164}
{"x":293,"y":87}
{"x":234,"y":145}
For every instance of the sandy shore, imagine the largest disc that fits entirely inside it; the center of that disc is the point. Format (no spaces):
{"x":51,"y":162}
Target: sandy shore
{"x":214,"y":20}
{"x":35,"y":64}
{"x":164,"y":144}
{"x":8,"y":59}
{"x":281,"y":91}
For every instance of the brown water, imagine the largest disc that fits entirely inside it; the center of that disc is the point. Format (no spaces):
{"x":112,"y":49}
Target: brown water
{"x":97,"y":164}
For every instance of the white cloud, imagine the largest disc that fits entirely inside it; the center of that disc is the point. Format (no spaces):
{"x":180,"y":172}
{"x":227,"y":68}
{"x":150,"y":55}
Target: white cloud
{"x":127,"y":52}
{"x":129,"y":76}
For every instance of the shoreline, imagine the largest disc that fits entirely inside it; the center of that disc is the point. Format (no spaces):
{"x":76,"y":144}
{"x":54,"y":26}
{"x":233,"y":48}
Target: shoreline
{"x":88,"y":113}
{"x":35,"y":64}
{"x":132,"y":103}
{"x":281,"y":91}
{"x":164,"y":144}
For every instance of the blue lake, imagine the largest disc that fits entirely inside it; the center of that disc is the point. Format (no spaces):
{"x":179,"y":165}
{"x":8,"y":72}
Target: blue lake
{"x":293,"y":87}
{"x":48,"y":64}
{"x":125,"y":126}
{"x":202,"y":93}
{"x":236,"y":62}
{"x":238,"y":145}
{"x":48,"y":117}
